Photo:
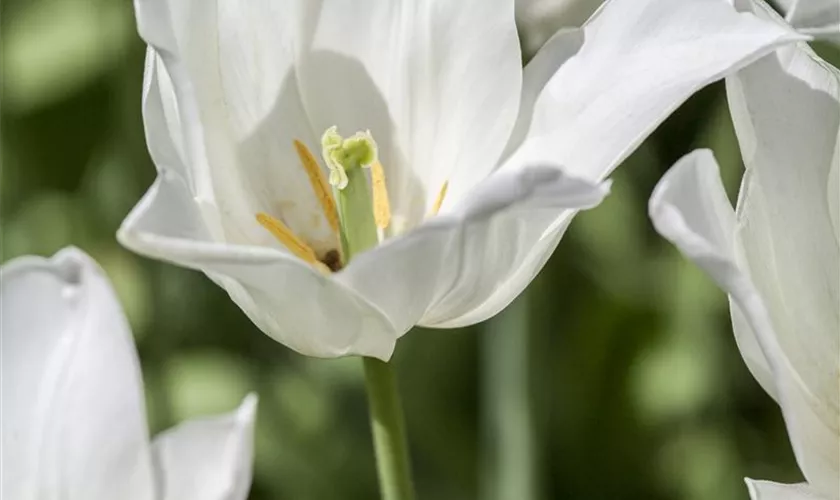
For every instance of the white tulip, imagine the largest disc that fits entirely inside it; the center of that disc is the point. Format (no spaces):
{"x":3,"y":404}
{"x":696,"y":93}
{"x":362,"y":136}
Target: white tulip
{"x":777,"y":255}
{"x":237,"y":93}
{"x":73,"y":418}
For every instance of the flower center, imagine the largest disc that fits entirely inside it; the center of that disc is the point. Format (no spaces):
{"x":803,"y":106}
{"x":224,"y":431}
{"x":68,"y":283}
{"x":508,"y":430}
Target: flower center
{"x":357,"y":210}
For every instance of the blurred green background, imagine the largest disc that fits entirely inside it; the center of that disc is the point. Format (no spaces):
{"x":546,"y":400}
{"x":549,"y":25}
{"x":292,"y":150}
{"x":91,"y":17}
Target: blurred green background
{"x":622,"y":350}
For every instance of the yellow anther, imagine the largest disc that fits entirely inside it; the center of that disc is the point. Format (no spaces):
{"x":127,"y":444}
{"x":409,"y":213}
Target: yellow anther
{"x":291,"y":241}
{"x":381,"y":205}
{"x":319,"y":184}
{"x":439,"y":200}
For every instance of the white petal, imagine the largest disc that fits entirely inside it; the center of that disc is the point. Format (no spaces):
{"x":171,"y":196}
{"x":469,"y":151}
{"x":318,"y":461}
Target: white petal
{"x":640,"y":59}
{"x":786,"y":112}
{"x":451,"y":265}
{"x":694,"y":191}
{"x":286,"y":298}
{"x":820,"y":18}
{"x":688,"y":208}
{"x":767,"y":490}
{"x":436,"y":81}
{"x":74,"y":423}
{"x":633,"y":64}
{"x":234,"y":88}
{"x":208,"y":459}
{"x":539,"y":70}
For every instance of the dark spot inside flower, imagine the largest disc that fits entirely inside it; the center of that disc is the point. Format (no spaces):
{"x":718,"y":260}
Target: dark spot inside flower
{"x":332,"y":260}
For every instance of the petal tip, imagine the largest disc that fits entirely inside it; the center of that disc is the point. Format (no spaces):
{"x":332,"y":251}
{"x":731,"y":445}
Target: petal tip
{"x":247,"y":411}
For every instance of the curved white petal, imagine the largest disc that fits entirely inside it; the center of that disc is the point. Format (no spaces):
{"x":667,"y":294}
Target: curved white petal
{"x":683,"y":209}
{"x":208,"y":459}
{"x":786,"y":112}
{"x":693,"y":191}
{"x":226,"y":70}
{"x":436,"y":81}
{"x":618,"y":78}
{"x":286,"y":298}
{"x":452,"y":264}
{"x":537,"y":73}
{"x":767,"y":490}
{"x":74,"y":423}
{"x":820,"y":18}
{"x":639,"y":60}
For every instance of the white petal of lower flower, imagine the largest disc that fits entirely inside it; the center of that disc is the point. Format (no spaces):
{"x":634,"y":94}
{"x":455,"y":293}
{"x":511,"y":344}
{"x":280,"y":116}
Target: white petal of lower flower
{"x":683,"y":209}
{"x":208,"y":459}
{"x":74,"y":422}
{"x":767,"y":490}
{"x":456,"y":261}
{"x":640,"y":59}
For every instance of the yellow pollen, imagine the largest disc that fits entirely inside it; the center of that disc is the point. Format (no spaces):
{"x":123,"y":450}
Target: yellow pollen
{"x":319,"y":185}
{"x":381,"y":206}
{"x":290,"y":240}
{"x":439,"y":200}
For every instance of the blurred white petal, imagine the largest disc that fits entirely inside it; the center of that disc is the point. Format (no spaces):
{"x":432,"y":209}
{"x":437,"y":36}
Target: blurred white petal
{"x":689,"y":208}
{"x":208,"y":459}
{"x":767,"y":490}
{"x":74,"y":422}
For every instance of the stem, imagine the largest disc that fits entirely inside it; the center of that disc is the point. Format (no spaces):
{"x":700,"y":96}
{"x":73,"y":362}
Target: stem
{"x":358,"y":233}
{"x":388,"y":427}
{"x":509,"y":470}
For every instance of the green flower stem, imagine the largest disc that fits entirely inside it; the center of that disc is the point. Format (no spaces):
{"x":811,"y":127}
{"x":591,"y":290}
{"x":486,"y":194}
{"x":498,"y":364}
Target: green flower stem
{"x":388,"y":431}
{"x":358,"y":233}
{"x":508,"y":468}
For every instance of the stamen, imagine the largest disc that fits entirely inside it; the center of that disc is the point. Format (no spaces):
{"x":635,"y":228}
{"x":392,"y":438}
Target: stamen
{"x":319,"y":184}
{"x":381,"y":205}
{"x":290,"y":240}
{"x":439,"y":201}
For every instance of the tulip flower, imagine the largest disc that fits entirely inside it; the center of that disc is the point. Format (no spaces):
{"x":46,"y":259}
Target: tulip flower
{"x":74,"y":422}
{"x":777,"y":255}
{"x":471,"y":167}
